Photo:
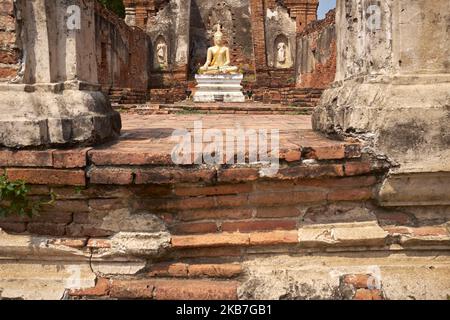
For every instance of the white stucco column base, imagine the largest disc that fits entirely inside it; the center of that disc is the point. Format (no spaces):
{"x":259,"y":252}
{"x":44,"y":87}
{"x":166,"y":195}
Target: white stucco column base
{"x":221,"y":87}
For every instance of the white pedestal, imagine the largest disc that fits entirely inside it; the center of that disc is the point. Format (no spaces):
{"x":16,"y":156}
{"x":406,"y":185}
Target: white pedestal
{"x":219,"y":88}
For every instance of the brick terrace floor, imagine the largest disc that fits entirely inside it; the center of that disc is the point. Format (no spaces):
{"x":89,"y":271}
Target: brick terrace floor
{"x":149,"y":137}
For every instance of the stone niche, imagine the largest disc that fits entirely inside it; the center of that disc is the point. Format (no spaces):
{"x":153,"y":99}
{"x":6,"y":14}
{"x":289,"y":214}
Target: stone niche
{"x":161,"y":56}
{"x":168,"y":29}
{"x":280,"y":31}
{"x":161,"y":29}
{"x":234,"y":16}
{"x":56,"y":99}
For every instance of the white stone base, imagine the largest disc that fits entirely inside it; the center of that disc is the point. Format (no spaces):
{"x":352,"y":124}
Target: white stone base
{"x":219,"y":88}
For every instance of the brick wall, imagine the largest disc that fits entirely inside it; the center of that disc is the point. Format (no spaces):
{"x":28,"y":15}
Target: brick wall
{"x":9,"y":52}
{"x":220,"y":220}
{"x":90,"y":184}
{"x":316,"y":54}
{"x":122,"y":56}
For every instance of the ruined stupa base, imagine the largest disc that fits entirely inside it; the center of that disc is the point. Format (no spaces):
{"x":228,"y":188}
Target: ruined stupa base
{"x":404,"y":117}
{"x":69,"y":113}
{"x":219,"y":88}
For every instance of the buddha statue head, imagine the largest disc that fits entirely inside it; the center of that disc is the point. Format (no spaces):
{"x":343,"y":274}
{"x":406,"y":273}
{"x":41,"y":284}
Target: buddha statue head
{"x":218,"y":36}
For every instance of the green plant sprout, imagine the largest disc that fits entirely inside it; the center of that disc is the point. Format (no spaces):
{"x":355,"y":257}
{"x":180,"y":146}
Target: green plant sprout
{"x":14,"y":199}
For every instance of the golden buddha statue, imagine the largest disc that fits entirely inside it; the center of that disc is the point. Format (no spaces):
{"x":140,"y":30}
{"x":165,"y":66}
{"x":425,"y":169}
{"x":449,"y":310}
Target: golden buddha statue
{"x":218,"y":58}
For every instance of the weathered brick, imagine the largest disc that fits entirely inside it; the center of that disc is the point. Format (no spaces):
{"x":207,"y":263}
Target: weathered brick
{"x":108,"y":204}
{"x":208,"y":252}
{"x":187,"y":203}
{"x":210,"y":240}
{"x":101,"y":288}
{"x":231,"y":200}
{"x":429,"y":231}
{"x":215,"y":270}
{"x":364,"y":181}
{"x":195,"y":290}
{"x":291,"y":155}
{"x":48,"y":176}
{"x":7,"y":72}
{"x":67,"y":206}
{"x":178,"y":270}
{"x":366,"y":294}
{"x":13,"y":227}
{"x":174,"y":175}
{"x":25,"y":158}
{"x":51,"y":229}
{"x":110,"y":157}
{"x":397,"y":230}
{"x":357,"y":168}
{"x":213,"y":190}
{"x":320,"y":184}
{"x":69,"y":159}
{"x":328,"y":152}
{"x":53,"y":217}
{"x":169,"y":270}
{"x":310,"y":171}
{"x":151,"y":190}
{"x":286,"y":198}
{"x":274,"y":238}
{"x":194,"y":228}
{"x":238,"y":174}
{"x":115,"y":176}
{"x":215,"y":213}
{"x":99,"y":243}
{"x":359,"y":281}
{"x":277,"y":212}
{"x":351,"y":194}
{"x":131,"y":289}
{"x":15,"y":218}
{"x":159,"y":270}
{"x":258,"y":225}
{"x":39,"y":190}
{"x":394,"y":218}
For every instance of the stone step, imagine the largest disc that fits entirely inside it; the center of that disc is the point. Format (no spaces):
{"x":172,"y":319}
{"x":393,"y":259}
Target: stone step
{"x":247,"y":108}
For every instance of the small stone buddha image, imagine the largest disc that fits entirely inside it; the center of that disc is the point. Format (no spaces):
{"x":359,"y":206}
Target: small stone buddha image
{"x":218,"y":58}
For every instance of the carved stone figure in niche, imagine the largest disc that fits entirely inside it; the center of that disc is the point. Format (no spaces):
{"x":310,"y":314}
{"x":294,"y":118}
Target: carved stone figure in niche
{"x":161,"y":56}
{"x":218,"y":57}
{"x":282,"y":53}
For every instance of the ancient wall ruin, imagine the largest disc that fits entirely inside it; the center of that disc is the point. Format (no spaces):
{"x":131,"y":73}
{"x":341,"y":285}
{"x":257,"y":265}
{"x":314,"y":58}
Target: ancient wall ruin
{"x":123,"y":54}
{"x":260,"y":33}
{"x":316,"y":54}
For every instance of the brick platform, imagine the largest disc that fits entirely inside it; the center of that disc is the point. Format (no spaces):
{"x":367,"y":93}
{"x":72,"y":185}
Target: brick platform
{"x":150,"y":229}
